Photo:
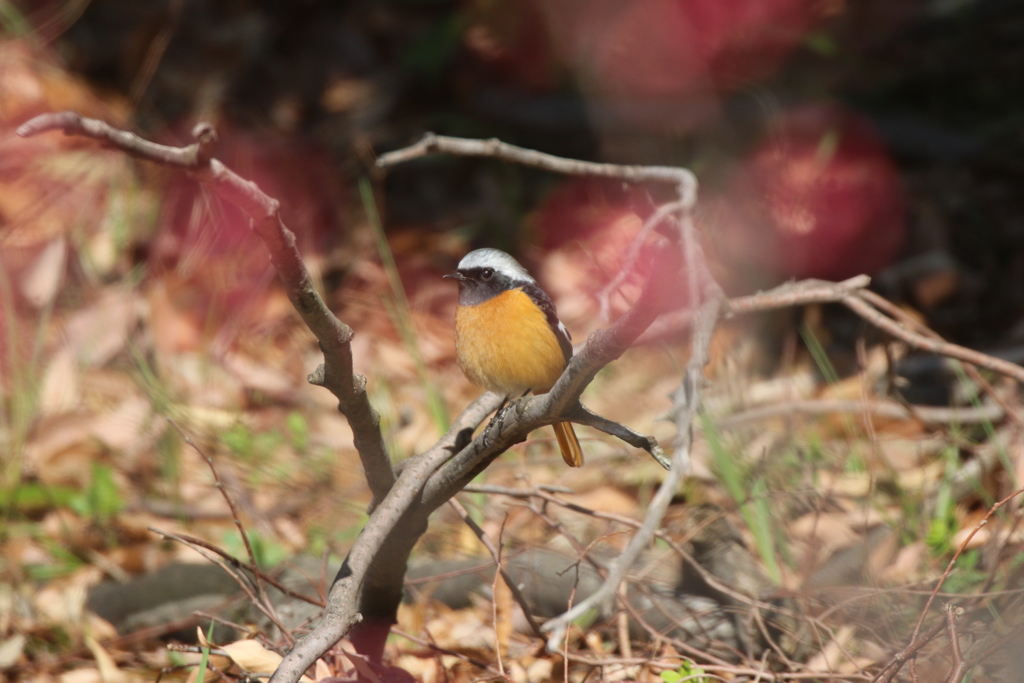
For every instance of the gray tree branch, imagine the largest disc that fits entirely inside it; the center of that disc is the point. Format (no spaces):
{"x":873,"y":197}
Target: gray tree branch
{"x":707,"y":299}
{"x":681,"y":178}
{"x":620,"y":431}
{"x":334,"y":336}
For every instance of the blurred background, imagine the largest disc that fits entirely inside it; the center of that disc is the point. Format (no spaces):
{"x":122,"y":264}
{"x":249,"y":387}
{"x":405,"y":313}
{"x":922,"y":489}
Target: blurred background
{"x":830,"y":138}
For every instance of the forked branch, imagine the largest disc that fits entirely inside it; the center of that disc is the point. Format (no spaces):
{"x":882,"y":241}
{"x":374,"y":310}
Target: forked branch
{"x":334,"y":336}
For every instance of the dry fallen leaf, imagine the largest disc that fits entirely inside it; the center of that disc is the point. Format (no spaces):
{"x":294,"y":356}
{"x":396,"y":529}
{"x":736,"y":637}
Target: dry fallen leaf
{"x":831,"y":658}
{"x":60,"y":391}
{"x":87,"y":675}
{"x":258,"y":376}
{"x":250,"y":655}
{"x":98,"y":332}
{"x":61,"y":450}
{"x":109,"y":671}
{"x":11,"y":649}
{"x":41,"y":281}
{"x":123,"y":428}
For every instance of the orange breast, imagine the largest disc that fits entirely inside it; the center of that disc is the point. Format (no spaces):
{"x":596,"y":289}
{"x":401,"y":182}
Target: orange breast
{"x":506,"y":345}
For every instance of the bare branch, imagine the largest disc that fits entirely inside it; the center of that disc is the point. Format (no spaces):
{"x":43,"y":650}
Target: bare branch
{"x":620,"y":431}
{"x":887,"y":409}
{"x":334,"y":336}
{"x":629,"y":262}
{"x":926,"y":343}
{"x":72,"y":123}
{"x":784,"y":296}
{"x":848,"y":293}
{"x":707,"y":318}
{"x":682,"y":178}
{"x":516,"y":492}
{"x":902,"y":316}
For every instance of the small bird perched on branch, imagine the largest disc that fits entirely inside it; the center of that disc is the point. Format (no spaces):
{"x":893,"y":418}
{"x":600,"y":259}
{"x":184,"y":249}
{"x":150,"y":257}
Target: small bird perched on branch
{"x":508,"y":338}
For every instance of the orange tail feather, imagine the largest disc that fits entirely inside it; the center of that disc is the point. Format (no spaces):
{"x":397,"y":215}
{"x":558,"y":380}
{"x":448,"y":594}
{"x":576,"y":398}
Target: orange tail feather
{"x":568,"y":444}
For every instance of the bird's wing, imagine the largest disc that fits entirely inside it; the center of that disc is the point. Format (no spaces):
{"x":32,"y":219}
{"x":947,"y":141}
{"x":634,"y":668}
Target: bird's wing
{"x":543,"y":301}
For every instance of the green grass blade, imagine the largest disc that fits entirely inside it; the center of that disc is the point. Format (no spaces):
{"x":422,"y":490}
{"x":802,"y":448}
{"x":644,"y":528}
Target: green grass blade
{"x":752,"y":503}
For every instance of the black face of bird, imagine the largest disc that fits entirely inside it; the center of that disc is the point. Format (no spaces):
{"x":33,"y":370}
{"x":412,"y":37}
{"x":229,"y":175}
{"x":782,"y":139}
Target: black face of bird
{"x":477,"y":285}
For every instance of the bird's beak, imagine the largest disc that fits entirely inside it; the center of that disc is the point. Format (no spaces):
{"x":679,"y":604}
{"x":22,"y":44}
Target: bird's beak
{"x":455,"y":276}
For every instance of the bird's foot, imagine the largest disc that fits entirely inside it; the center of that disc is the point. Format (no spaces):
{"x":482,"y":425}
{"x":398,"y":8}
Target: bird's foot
{"x":498,"y":421}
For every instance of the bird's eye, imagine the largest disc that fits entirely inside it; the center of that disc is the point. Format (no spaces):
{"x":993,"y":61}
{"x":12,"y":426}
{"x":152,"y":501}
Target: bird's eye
{"x":486,"y":273}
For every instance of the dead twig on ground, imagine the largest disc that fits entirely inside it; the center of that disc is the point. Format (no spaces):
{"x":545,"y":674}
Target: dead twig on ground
{"x":231,"y":567}
{"x":892,"y":410}
{"x":253,"y":566}
{"x":496,"y":555}
{"x":890,"y":670}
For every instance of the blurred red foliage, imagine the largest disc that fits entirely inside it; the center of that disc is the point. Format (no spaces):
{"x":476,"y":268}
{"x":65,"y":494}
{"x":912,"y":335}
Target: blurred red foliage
{"x":641,"y":56}
{"x":819,"y":197}
{"x":205,"y":248}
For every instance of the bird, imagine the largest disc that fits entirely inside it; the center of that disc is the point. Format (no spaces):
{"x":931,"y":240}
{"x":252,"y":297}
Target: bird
{"x":508,"y":338}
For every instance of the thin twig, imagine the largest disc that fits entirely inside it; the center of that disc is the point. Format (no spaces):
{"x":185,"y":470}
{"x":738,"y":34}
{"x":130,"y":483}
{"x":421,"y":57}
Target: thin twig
{"x":496,"y":555}
{"x":629,"y":262}
{"x":620,"y":567}
{"x":475,"y":569}
{"x":887,"y":409}
{"x":211,"y":553}
{"x":681,"y":178}
{"x":851,"y":294}
{"x":888,"y":673}
{"x":786,"y":295}
{"x":514,"y":492}
{"x":902,"y":316}
{"x":907,"y":654}
{"x":234,"y":562}
{"x":499,"y":578}
{"x":997,"y":554}
{"x":959,"y":551}
{"x":959,"y":665}
{"x":620,"y":431}
{"x":925,"y":343}
{"x":253,"y":565}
